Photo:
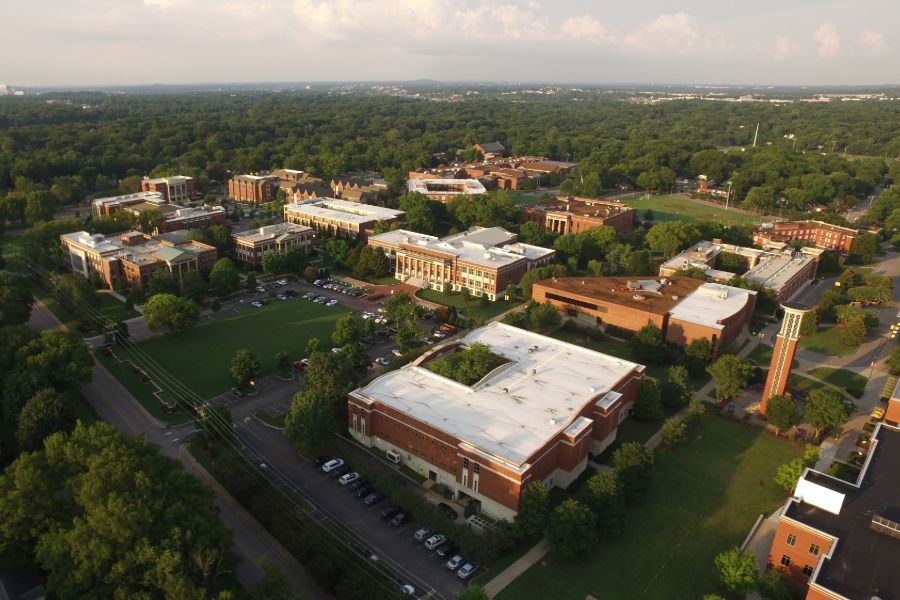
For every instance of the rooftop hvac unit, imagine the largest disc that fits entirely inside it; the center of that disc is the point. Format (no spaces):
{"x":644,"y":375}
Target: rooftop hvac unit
{"x":634,"y":285}
{"x":638,"y":297}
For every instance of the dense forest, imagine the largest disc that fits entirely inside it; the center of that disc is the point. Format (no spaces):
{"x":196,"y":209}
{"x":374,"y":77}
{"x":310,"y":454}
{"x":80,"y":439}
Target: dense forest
{"x":75,"y":144}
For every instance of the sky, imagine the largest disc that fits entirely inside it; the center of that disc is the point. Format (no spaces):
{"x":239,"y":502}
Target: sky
{"x":762,"y":42}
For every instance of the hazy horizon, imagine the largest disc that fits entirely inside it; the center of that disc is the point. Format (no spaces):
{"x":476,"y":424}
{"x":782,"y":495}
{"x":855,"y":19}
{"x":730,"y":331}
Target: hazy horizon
{"x":107,"y":43}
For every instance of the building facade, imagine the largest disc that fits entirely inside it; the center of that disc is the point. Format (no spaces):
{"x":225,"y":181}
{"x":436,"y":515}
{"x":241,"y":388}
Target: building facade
{"x":841,"y":539}
{"x":252,"y":245}
{"x":823,"y":235}
{"x":445,"y":190}
{"x":253,"y":189}
{"x":177,"y":189}
{"x":574,"y":215}
{"x":534,"y":418}
{"x":492,"y":150}
{"x":175,"y":217}
{"x":483,"y":261}
{"x":341,"y":217}
{"x":683,"y":308}
{"x":783,"y":353}
{"x":135,"y":256}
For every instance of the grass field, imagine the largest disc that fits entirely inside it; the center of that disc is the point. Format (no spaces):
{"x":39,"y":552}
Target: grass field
{"x":762,"y":356}
{"x":200,"y":357}
{"x":524,"y":197}
{"x":670,"y":208}
{"x":826,"y":341}
{"x":142,"y":391}
{"x":113,"y":309}
{"x":853,"y":383}
{"x":469,"y":305}
{"x":705,"y":496}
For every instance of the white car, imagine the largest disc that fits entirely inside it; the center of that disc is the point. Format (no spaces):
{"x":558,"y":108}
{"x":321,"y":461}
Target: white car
{"x":335,"y":349}
{"x":282,"y":282}
{"x":260,"y":289}
{"x":466,"y":570}
{"x":257,"y":304}
{"x":407,"y":590}
{"x":383,"y":360}
{"x":333,"y":464}
{"x":347,"y":478}
{"x":454,"y":563}
{"x":435,"y":541}
{"x":332,"y":303}
{"x":396,"y":352}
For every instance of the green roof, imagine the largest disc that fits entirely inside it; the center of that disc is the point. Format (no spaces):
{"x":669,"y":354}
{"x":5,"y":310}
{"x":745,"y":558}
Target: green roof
{"x":168,"y":253}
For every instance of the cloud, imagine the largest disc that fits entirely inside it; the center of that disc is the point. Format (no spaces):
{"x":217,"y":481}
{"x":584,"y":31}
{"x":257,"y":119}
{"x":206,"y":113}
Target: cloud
{"x":872,"y":42}
{"x":584,"y":29}
{"x":348,"y":19}
{"x":828,"y":40}
{"x":166,"y":3}
{"x":785,"y":47}
{"x":503,"y":21}
{"x":678,"y":33}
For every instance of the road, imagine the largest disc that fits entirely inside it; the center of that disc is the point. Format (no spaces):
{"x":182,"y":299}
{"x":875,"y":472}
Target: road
{"x":117,"y":406}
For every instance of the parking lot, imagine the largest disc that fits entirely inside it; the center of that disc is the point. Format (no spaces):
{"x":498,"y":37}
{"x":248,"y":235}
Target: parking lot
{"x":394,"y":547}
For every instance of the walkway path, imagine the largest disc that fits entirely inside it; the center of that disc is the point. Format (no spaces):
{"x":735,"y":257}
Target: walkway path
{"x":510,"y":573}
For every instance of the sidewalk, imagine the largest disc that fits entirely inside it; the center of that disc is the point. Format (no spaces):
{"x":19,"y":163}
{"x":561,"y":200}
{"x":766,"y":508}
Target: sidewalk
{"x":510,"y":573}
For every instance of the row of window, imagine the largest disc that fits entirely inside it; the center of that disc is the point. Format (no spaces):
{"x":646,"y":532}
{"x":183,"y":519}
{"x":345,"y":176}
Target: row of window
{"x":813,"y":548}
{"x":574,"y":302}
{"x":786,"y":562}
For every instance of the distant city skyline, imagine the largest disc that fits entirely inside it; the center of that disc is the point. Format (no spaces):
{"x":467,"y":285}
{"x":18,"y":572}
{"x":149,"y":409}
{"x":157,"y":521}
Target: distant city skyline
{"x":83,"y":43}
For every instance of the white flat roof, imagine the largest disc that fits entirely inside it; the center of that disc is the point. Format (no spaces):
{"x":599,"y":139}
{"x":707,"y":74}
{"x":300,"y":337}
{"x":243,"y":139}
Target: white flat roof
{"x":488,"y":236}
{"x":270,"y":232}
{"x":343,"y":210}
{"x":154,"y":197}
{"x":469,"y":186}
{"x":774,"y":272}
{"x":519,"y":407}
{"x":711,"y":303}
{"x":401,"y":236}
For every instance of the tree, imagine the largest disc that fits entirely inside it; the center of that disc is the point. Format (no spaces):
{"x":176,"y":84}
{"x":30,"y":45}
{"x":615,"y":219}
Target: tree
{"x":893,"y":361}
{"x":534,"y":510}
{"x":39,"y":206}
{"x":194,"y":286}
{"x":633,"y":463}
{"x":604,"y":494}
{"x":854,"y":332}
{"x":250,"y":281}
{"x":282,"y":361}
{"x":309,"y":424}
{"x":595,"y":267}
{"x":696,"y":356}
{"x":165,"y":312}
{"x":810,"y":323}
{"x":543,"y":317}
{"x":777,"y":585}
{"x":162,"y":282}
{"x":338,"y":251}
{"x":789,"y":474}
{"x":825,"y":408}
{"x":532,"y":233}
{"x":782,"y":412}
{"x":274,"y":585}
{"x":647,"y":344}
{"x":150,"y":220}
{"x":571,"y":530}
{"x":737,"y":570}
{"x":648,"y":405}
{"x":731,"y":375}
{"x":676,"y":387}
{"x":671,"y":237}
{"x":310,"y":273}
{"x":864,"y":248}
{"x":15,"y":300}
{"x":244,"y":367}
{"x":95,"y":502}
{"x":44,"y":413}
{"x":224,"y":278}
{"x":346,"y":330}
{"x":672,"y":431}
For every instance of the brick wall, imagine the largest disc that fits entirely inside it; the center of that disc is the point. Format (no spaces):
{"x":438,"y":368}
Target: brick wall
{"x":799,"y":553}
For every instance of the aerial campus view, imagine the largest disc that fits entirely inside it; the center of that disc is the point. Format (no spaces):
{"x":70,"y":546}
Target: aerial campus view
{"x":367,"y":299}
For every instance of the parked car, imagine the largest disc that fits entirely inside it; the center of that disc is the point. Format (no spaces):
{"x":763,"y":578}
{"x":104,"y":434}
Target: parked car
{"x":373,"y":498}
{"x":332,"y":303}
{"x":388,"y":512}
{"x":355,"y":485}
{"x":362,"y":492}
{"x":333,"y":464}
{"x":282,"y":297}
{"x":448,"y":510}
{"x":383,"y":360}
{"x":321,"y":461}
{"x":445,"y":550}
{"x":399,"y":519}
{"x":455,"y":561}
{"x":396,"y":352}
{"x":290,"y":293}
{"x":435,"y":541}
{"x":466,"y":570}
{"x":339,"y":472}
{"x":260,"y":289}
{"x":281,"y":282}
{"x":348,"y":477}
{"x":407,"y":590}
{"x":421,"y":534}
{"x":257,"y":304}
{"x":299,"y":365}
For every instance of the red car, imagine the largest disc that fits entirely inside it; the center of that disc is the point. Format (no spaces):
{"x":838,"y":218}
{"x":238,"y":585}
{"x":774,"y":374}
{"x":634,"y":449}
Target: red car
{"x":301,"y":364}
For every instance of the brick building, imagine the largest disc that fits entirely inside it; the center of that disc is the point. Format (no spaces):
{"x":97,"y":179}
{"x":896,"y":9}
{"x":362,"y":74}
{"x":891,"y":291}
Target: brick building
{"x":252,"y":245}
{"x":175,"y":217}
{"x":135,"y":256}
{"x":105,"y":207}
{"x":490,"y":150}
{"x":784,"y":272}
{"x":177,"y":189}
{"x":534,"y":418}
{"x":445,"y":190}
{"x":783,"y":352}
{"x":574,"y":215}
{"x":484,"y":261}
{"x":683,"y":308}
{"x":841,"y":539}
{"x":254,"y":189}
{"x":823,"y":235}
{"x":341,"y":217}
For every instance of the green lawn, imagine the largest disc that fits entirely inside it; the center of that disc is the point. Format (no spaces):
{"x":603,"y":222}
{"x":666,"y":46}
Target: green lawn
{"x":853,"y":383}
{"x":670,"y":208}
{"x":141,"y":390}
{"x":762,"y":356}
{"x":199,"y":358}
{"x":826,"y":341}
{"x":524,"y":197}
{"x":633,"y":430}
{"x":705,"y":496}
{"x":469,"y":305}
{"x":114,"y":309}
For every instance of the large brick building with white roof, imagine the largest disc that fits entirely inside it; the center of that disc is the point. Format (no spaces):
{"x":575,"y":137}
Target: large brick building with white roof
{"x":341,"y":217}
{"x":534,"y":418}
{"x":483,"y":260}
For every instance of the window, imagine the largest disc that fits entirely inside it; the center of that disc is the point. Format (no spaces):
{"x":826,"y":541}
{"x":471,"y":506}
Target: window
{"x":791,"y":539}
{"x":477,"y":468}
{"x":785,"y":560}
{"x":814,"y":549}
{"x":465,"y":463}
{"x":807,"y":570}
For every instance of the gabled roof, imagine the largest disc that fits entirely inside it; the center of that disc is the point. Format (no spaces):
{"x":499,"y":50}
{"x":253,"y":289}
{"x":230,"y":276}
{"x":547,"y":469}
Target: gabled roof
{"x":491,"y":147}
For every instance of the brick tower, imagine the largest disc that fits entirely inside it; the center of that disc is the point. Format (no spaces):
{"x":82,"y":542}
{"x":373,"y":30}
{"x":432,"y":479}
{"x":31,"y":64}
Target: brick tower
{"x":783,"y":352}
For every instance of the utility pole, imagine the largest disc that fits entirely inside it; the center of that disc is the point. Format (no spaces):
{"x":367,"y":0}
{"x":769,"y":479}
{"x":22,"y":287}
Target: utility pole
{"x":756,"y":135}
